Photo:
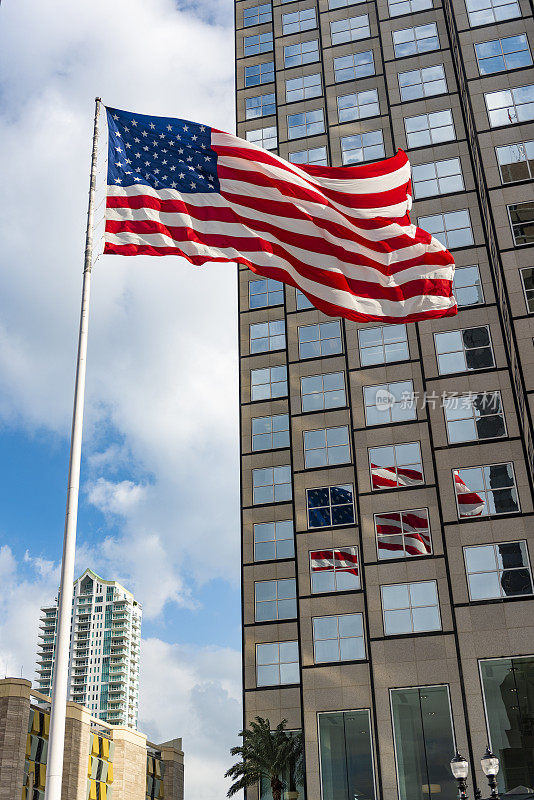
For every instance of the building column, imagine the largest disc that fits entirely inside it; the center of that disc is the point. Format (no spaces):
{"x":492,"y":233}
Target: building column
{"x":14,"y":716}
{"x":129,"y":764}
{"x":173,"y":776}
{"x":76,"y":753}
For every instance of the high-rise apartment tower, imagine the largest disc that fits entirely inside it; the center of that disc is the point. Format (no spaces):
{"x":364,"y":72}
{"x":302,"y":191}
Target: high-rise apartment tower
{"x":104,"y":649}
{"x":387,"y":538}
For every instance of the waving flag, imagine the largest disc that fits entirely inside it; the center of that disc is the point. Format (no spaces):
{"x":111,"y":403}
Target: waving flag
{"x":342,"y":235}
{"x":404,"y":532}
{"x":346,"y":560}
{"x":470,"y":504}
{"x":393,"y":477}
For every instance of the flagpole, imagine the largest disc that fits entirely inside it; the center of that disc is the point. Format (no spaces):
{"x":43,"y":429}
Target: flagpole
{"x":56,"y":743}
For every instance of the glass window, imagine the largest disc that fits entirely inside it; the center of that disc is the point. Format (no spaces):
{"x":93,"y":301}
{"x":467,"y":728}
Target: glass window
{"x":485,"y":491}
{"x":422,"y":82}
{"x":527,"y":278}
{"x":264,"y":137}
{"x":333,"y":4}
{"x":268,"y":383}
{"x":256,"y":15}
{"x":334,"y":570}
{"x":346,"y":755}
{"x":273,"y":540}
{"x":400,"y":534}
{"x":319,"y":392}
{"x":261,"y":106}
{"x":338,"y":638}
{"x":467,"y":286}
{"x":464,"y":351}
{"x":522,"y":222}
{"x":396,"y":465}
{"x":452,"y":229}
{"x":349,"y":30}
{"x":307,"y":123}
{"x":277,"y":663}
{"x":508,"y":687}
{"x":301,"y":299}
{"x":271,"y":485}
{"x":503,"y":54}
{"x":326,"y":446}
{"x":472,"y":417}
{"x":265,"y":292}
{"x":383,"y":345}
{"x":353,"y":66}
{"x":330,"y":507}
{"x":398,"y":7}
{"x":437,"y":177}
{"x":301,"y":53}
{"x":426,"y":129}
{"x":275,"y":599}
{"x":498,"y":570}
{"x":389,"y":402}
{"x":362,"y":147}
{"x":410,"y":41}
{"x":315,"y":155}
{"x":358,"y":105}
{"x":299,"y":21}
{"x":259,"y":43}
{"x":422,"y":729}
{"x":410,"y":607}
{"x":265,"y":336}
{"x":516,"y":161}
{"x":268,"y":433}
{"x":321,"y":339}
{"x":509,"y":106}
{"x":486,"y":12}
{"x":259,"y":73}
{"x":303,"y":88}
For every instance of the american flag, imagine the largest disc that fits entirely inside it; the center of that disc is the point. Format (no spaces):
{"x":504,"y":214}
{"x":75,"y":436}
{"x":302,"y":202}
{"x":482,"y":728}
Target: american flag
{"x":394,"y":477}
{"x":403,"y":532}
{"x":470,"y":504}
{"x":346,"y":560}
{"x":342,"y":235}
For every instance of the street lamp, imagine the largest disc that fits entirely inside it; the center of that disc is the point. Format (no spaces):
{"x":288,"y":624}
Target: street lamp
{"x":460,"y":768}
{"x":490,"y":767}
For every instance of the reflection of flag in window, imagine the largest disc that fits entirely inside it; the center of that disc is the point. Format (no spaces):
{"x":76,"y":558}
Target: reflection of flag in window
{"x":346,"y":560}
{"x":470,"y":504}
{"x":393,"y":477}
{"x":414,"y":526}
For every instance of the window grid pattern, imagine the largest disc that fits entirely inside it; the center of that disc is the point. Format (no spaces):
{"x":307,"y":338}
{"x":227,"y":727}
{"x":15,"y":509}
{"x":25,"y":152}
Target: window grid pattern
{"x":410,"y":608}
{"x":383,"y":345}
{"x":265,"y":292}
{"x":400,"y":7}
{"x":326,"y":447}
{"x":498,"y":570}
{"x":321,"y":339}
{"x":299,"y":21}
{"x":358,"y":105}
{"x":527,"y":279}
{"x":334,"y":570}
{"x":320,"y":392}
{"x":302,"y":53}
{"x":338,"y":638}
{"x":499,"y":55}
{"x":464,"y":350}
{"x":396,"y":466}
{"x":330,"y":506}
{"x":257,"y":15}
{"x":486,"y":491}
{"x":510,"y":106}
{"x":273,"y":540}
{"x":265,"y":336}
{"x":259,"y":43}
{"x":474,"y":417}
{"x":387,"y":403}
{"x":261,"y":106}
{"x":350,"y":30}
{"x":264,"y":137}
{"x":453,"y":229}
{"x":410,"y":41}
{"x":437,"y":177}
{"x":427,"y":129}
{"x":268,"y":383}
{"x":277,"y":663}
{"x":269,"y":433}
{"x":402,"y":534}
{"x":467,"y":286}
{"x":275,"y":599}
{"x":271,"y":485}
{"x":486,"y":12}
{"x":303,"y":88}
{"x":362,"y":147}
{"x":354,"y":66}
{"x":314,"y":155}
{"x":306,"y":123}
{"x":257,"y":74}
{"x":516,"y":161}
{"x":423,"y":82}
{"x":522,"y":222}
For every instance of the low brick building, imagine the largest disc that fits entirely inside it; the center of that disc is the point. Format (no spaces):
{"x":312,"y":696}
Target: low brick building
{"x":102,"y":761}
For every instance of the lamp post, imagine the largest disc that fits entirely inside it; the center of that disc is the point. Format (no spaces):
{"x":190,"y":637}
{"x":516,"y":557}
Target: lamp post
{"x":490,"y":767}
{"x":460,"y":768}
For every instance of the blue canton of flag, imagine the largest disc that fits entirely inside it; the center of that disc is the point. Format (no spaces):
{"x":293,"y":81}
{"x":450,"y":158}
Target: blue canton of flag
{"x":161,"y":152}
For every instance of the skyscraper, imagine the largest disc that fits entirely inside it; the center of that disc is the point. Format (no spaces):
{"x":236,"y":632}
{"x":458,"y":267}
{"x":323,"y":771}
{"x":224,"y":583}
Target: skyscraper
{"x":387,"y":470}
{"x":104,"y":649}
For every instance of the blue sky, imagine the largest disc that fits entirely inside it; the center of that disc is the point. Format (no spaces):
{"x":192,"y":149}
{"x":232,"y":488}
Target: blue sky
{"x":159,"y":503}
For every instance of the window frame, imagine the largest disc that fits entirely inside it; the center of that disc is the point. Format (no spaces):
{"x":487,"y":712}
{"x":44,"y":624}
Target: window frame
{"x":270,"y":433}
{"x":275,"y":600}
{"x":436,"y":165}
{"x":464,"y":350}
{"x":363,"y":147}
{"x":371,"y":738}
{"x":266,"y":135}
{"x":512,"y":224}
{"x":270,"y":336}
{"x":268,"y":37}
{"x":402,"y":535}
{"x":396,"y":467}
{"x":522,"y":147}
{"x":487,"y":515}
{"x":499,"y":571}
{"x":428,"y":4}
{"x":525,"y":290}
{"x":386,"y":388}
{"x":480,"y":286}
{"x":323,"y":407}
{"x":415,"y":40}
{"x":301,"y":62}
{"x":328,"y":449}
{"x":495,"y":21}
{"x":422,"y":83}
{"x":299,"y":21}
{"x":365,"y":72}
{"x":274,"y":541}
{"x":278,"y":289}
{"x":339,"y":638}
{"x":270,"y":73}
{"x":320,"y":161}
{"x":431,"y":142}
{"x":270,"y":396}
{"x":335,"y":569}
{"x":446,"y":231}
{"x":342,"y":111}
{"x":410,"y":607}
{"x":350,"y":30}
{"x":256,"y":665}
{"x":502,"y":54}
{"x":261,"y":105}
{"x":330,"y":506}
{"x":260,"y":21}
{"x":273,"y":485}
{"x":383,"y":345}
{"x":474,"y":418}
{"x":306,"y":125}
{"x":302,"y":79}
{"x":320,"y":339}
{"x":514,"y":106}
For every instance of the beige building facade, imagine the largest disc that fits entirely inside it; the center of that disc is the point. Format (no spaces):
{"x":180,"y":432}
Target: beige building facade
{"x":387,"y":470}
{"x":101,"y":761}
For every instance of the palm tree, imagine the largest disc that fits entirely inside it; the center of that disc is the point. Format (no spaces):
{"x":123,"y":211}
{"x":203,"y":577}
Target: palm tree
{"x":266,"y":754}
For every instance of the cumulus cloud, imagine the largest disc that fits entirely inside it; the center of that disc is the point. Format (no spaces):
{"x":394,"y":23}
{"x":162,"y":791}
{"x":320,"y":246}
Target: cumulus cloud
{"x":160,"y":439}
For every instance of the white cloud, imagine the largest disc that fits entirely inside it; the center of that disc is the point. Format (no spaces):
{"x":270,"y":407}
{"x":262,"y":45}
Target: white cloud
{"x":199,"y":699}
{"x":160,"y":441}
